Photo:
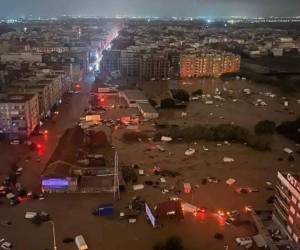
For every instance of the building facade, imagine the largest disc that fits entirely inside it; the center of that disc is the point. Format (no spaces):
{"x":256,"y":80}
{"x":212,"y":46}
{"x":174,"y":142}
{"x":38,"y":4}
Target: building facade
{"x":287,"y":204}
{"x":154,"y":66}
{"x":110,"y":60}
{"x":208,"y":64}
{"x":19,"y":115}
{"x":130,"y":63}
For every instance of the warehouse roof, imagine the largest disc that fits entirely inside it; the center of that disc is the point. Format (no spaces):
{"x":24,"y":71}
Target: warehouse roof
{"x":134,"y":94}
{"x":146,"y":108}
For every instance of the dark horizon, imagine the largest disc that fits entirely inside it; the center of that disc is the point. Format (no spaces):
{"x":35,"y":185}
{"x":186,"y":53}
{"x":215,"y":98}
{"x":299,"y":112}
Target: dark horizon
{"x":155,"y":8}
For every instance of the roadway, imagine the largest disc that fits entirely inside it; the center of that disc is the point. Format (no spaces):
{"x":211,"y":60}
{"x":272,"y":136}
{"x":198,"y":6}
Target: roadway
{"x":69,"y":111}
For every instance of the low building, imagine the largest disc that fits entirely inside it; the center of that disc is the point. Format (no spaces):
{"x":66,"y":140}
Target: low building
{"x":19,"y":114}
{"x":91,"y":175}
{"x":133,"y":97}
{"x":136,"y":99}
{"x":147,"y":111}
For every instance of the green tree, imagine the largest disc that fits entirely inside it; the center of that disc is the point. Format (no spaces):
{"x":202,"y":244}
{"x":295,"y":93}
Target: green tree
{"x":181,"y":95}
{"x":197,"y":92}
{"x":174,"y":243}
{"x":265,"y":127}
{"x":153,"y":102}
{"x":159,"y":246}
{"x":167,"y":103}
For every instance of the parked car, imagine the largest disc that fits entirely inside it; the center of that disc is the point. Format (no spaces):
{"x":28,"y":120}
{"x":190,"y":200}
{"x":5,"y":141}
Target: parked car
{"x":230,"y":220}
{"x":14,"y":202}
{"x":233,"y":213}
{"x":244,"y":241}
{"x":5,"y":244}
{"x":104,"y":210}
{"x":68,"y":240}
{"x":19,"y":171}
{"x":3,"y":190}
{"x":7,"y":181}
{"x":10,"y":196}
{"x":44,"y":216}
{"x":30,"y":215}
{"x":15,"y":142}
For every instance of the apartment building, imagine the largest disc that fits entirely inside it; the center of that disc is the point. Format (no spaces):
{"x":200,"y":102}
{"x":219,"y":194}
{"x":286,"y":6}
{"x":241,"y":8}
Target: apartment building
{"x":48,"y":88}
{"x":19,"y":114}
{"x":154,"y":66}
{"x":110,"y":61}
{"x":21,"y":57}
{"x":42,"y":91}
{"x":208,"y":64}
{"x":130,"y":63}
{"x":286,"y":210}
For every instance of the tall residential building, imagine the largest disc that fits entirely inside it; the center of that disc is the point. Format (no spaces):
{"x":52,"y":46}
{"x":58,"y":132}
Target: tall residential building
{"x":130,"y":63}
{"x":154,"y":66}
{"x":19,"y":114}
{"x":287,"y":204}
{"x":208,"y":64}
{"x":110,"y":60}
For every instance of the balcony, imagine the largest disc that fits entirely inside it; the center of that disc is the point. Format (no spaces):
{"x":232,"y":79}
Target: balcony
{"x":283,"y":192}
{"x":281,"y":202}
{"x":280,"y":212}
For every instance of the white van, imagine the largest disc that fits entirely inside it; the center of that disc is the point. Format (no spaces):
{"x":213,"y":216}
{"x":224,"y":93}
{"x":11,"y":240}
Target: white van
{"x":80,"y":242}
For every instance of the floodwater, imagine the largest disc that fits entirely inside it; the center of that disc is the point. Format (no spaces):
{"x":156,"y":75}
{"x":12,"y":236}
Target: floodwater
{"x":160,"y":89}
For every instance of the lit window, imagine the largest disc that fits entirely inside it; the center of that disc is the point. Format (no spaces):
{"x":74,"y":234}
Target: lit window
{"x":295,"y":237}
{"x":294,"y":200}
{"x":292,"y":209}
{"x":291,"y":220}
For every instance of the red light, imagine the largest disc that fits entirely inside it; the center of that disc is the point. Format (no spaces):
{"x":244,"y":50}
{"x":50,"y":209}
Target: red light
{"x":221,"y":213}
{"x":221,"y":221}
{"x":22,"y":199}
{"x":202,"y":210}
{"x":38,"y":146}
{"x":45,"y":132}
{"x":201,"y":216}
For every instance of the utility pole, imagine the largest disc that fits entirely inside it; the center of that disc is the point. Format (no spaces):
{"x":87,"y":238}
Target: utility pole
{"x":116,"y":177}
{"x":53,"y":234}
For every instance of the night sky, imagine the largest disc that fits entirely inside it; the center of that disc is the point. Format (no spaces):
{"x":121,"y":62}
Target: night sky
{"x":162,"y":8}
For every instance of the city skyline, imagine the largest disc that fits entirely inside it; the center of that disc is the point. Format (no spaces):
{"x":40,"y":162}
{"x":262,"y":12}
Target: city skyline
{"x":143,"y":8}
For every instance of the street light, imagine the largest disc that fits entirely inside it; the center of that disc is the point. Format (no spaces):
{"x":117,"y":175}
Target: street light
{"x":53,"y":234}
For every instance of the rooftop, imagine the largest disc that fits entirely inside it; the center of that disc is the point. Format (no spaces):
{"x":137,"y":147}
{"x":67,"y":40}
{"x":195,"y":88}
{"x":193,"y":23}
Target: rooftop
{"x":147,"y":108}
{"x":134,"y":94}
{"x":16,"y":98}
